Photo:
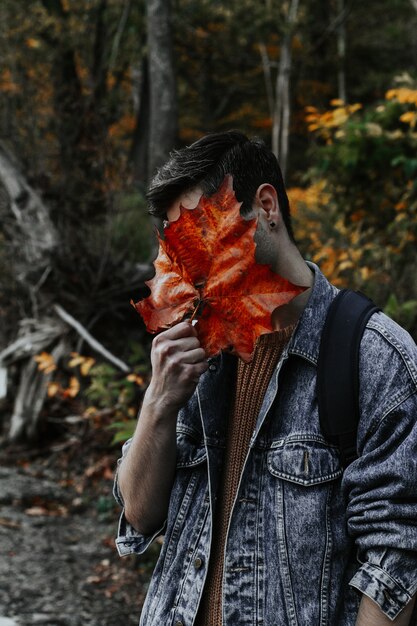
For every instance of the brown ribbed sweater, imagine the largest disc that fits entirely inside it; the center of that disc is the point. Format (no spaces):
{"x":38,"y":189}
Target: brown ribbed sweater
{"x":251,"y":383}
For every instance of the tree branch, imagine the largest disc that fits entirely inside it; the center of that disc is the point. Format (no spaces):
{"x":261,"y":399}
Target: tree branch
{"x":118,"y":36}
{"x":95,"y":345}
{"x":266,"y":66}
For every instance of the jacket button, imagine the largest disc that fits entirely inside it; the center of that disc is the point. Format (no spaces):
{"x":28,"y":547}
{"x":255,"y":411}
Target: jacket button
{"x":212,"y":367}
{"x":198,"y":562}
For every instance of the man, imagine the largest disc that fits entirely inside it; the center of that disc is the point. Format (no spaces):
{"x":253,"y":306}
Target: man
{"x":261,"y":523}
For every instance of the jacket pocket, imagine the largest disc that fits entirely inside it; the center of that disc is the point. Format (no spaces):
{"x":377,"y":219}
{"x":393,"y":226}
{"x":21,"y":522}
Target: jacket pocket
{"x":303,"y":471}
{"x":304,"y":461}
{"x":191,"y":450}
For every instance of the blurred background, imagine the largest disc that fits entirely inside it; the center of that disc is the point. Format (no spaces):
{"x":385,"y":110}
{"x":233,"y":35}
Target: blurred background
{"x":94,"y":94}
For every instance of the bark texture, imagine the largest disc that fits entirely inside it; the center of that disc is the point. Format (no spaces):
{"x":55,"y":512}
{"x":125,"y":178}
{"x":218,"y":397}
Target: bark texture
{"x":25,"y":222}
{"x":163,"y":94}
{"x":341,"y":51}
{"x":282,"y":106}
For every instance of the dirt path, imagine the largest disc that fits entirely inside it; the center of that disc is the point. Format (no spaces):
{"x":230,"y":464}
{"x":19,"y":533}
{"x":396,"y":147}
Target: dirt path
{"x":58,"y":563}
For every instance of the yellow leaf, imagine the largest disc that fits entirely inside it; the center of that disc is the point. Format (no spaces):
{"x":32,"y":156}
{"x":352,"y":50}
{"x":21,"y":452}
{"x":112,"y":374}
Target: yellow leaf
{"x":135,"y":378}
{"x":53,"y":389}
{"x":409,"y":117}
{"x":87,"y":365}
{"x":391,"y":94}
{"x":32,"y":43}
{"x":365,"y":272}
{"x":77,"y":359}
{"x":46,"y":362}
{"x":72,"y":389}
{"x":337,"y":102}
{"x":345,"y":265}
{"x":311,"y":117}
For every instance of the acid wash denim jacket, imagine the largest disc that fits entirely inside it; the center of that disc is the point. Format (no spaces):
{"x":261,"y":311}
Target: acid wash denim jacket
{"x":304,"y":537}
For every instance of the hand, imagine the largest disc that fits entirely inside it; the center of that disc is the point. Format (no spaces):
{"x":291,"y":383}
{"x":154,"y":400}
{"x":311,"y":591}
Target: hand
{"x":371,"y":615}
{"x":178,"y":361}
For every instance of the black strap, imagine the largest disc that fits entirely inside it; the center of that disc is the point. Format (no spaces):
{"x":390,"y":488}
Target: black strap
{"x":338,"y":370}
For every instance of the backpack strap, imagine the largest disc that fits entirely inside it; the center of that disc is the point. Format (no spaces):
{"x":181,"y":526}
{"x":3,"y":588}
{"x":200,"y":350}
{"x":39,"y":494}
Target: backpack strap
{"x":338,"y":370}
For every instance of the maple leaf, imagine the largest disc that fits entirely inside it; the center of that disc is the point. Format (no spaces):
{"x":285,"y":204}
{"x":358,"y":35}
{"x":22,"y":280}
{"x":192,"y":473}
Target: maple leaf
{"x":206,"y":264}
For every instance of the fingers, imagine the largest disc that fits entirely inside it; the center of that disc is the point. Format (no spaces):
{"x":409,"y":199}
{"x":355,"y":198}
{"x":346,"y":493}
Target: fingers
{"x":180,"y":347}
{"x":183,"y":329}
{"x":194,"y":356}
{"x":178,"y":361}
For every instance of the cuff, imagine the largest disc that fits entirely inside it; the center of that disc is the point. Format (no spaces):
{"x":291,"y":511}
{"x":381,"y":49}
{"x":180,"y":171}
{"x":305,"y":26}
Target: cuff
{"x":130,"y":541}
{"x":117,"y":495}
{"x":116,"y":491}
{"x":378,"y":585}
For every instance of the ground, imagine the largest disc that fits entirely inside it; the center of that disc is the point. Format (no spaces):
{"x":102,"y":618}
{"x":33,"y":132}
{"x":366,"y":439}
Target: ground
{"x":59,"y":565}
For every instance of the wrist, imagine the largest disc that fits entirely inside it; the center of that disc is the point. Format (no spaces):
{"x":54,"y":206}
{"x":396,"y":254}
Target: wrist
{"x":157,"y":406}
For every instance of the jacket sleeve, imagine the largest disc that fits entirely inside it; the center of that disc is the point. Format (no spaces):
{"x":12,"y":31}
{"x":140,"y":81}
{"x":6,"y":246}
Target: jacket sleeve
{"x":128,"y":539}
{"x":381,"y":489}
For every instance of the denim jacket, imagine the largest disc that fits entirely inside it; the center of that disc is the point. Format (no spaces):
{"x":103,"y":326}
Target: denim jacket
{"x":304,"y":537}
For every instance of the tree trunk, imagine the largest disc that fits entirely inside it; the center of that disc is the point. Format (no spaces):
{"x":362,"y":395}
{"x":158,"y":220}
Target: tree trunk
{"x":119,"y":34}
{"x":24,"y":219}
{"x":266,"y":67}
{"x":139,"y":153}
{"x":163,"y":92}
{"x":282,"y":107}
{"x":31,"y":394}
{"x":341,"y":51}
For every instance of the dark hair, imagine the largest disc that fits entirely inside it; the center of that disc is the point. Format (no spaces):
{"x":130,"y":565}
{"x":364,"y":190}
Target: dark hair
{"x":206,"y":163}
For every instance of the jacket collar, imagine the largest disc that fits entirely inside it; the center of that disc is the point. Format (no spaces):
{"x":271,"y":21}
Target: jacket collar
{"x":305,"y":341}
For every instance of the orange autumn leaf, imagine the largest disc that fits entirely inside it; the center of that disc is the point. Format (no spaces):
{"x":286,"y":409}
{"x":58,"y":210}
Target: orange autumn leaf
{"x":85,"y":363}
{"x":206,"y":266}
{"x":53,"y":389}
{"x":46,"y":362}
{"x":73,"y":388}
{"x":135,"y":378}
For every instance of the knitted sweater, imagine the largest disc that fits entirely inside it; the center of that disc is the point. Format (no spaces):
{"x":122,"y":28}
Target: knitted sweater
{"x":251,"y":384}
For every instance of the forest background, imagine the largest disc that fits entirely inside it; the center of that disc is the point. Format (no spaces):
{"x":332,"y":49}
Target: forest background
{"x":93,"y":96}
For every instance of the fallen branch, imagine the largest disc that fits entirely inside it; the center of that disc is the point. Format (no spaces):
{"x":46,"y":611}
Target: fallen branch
{"x":93,"y":343}
{"x":31,"y":394}
{"x":34,"y":336}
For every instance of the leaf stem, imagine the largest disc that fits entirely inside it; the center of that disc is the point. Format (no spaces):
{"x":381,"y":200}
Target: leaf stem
{"x":194,"y":312}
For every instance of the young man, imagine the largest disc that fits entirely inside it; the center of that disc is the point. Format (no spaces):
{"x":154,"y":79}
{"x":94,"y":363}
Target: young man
{"x":261,"y":523}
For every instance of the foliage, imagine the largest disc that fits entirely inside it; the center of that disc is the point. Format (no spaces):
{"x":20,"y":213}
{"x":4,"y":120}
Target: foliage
{"x":358,"y":215}
{"x":72,"y":91}
{"x":131,"y":228}
{"x":93,"y":389}
{"x":404,"y":312}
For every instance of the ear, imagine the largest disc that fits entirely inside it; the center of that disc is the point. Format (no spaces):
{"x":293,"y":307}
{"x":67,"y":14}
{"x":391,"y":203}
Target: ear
{"x":266,"y":202}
